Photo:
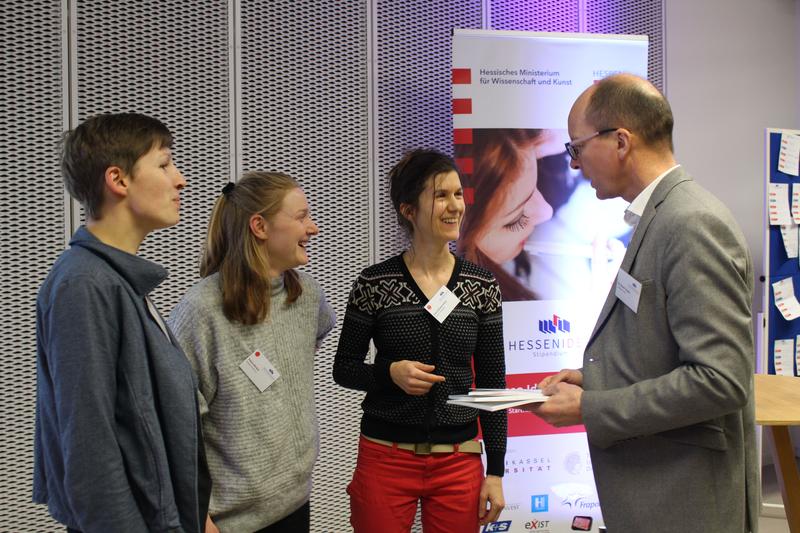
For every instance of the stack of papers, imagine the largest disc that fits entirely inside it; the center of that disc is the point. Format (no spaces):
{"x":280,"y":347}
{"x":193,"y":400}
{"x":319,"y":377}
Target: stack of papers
{"x":497,"y":399}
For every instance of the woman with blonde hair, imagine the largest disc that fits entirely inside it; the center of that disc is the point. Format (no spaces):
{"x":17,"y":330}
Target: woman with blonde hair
{"x":250,"y":328}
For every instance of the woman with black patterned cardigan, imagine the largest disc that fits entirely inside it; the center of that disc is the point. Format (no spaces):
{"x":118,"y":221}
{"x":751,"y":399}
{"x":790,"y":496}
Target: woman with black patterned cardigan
{"x":436,"y":321}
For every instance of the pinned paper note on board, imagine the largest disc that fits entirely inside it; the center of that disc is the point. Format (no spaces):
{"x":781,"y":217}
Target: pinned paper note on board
{"x":796,"y":203}
{"x":785,"y":300}
{"x":797,"y":357}
{"x":783,"y":353}
{"x":789,"y":156}
{"x":778,"y":202}
{"x":790,"y":235}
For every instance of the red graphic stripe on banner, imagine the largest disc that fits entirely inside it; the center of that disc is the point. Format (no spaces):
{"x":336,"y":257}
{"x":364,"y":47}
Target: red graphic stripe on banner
{"x":469,"y":195}
{"x":523,"y":423}
{"x":462,"y":76}
{"x":462,"y":136}
{"x":462,"y":106}
{"x":465,"y":164}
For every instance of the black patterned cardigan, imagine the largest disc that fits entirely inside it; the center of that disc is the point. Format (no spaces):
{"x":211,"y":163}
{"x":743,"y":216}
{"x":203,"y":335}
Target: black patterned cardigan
{"x":387,"y":306}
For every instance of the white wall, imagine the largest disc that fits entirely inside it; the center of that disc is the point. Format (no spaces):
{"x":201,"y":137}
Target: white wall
{"x":731,"y":71}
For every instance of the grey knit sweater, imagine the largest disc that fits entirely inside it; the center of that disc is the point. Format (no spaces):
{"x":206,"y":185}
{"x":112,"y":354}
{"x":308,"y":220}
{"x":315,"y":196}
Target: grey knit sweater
{"x":261,"y":446}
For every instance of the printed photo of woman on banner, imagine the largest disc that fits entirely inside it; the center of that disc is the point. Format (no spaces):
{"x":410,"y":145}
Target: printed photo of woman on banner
{"x":534,"y":221}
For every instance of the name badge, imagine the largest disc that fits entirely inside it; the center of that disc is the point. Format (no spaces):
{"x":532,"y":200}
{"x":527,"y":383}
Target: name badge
{"x":260,"y":371}
{"x":442,"y":304}
{"x":628,"y":290}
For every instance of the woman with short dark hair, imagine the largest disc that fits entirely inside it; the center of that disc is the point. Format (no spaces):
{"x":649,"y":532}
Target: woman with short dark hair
{"x":436,"y":321}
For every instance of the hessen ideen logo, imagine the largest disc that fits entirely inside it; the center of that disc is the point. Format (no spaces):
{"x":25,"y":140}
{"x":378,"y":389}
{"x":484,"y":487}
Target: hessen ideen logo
{"x":551,"y":337}
{"x":557,"y":324}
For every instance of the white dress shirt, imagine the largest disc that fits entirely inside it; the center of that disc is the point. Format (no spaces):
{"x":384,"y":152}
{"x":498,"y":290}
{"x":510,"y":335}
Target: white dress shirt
{"x":634,"y":211}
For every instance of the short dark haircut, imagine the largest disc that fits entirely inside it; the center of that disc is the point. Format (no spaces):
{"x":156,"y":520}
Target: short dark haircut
{"x":408,"y":177}
{"x":624,"y":102}
{"x":102,"y":141}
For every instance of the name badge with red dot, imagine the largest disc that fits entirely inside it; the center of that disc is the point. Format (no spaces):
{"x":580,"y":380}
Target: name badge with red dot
{"x":260,"y":371}
{"x":442,"y":304}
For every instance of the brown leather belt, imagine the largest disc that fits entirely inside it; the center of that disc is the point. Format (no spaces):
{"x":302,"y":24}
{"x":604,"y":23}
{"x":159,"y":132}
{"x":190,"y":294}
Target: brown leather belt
{"x":427,"y":448}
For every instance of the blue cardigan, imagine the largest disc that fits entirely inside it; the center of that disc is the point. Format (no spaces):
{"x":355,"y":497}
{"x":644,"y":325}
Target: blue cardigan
{"x":117,"y":441}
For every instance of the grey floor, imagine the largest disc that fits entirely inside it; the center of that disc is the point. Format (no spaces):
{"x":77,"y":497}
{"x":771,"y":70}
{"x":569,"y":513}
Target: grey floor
{"x":771,"y":494}
{"x":772,"y":525}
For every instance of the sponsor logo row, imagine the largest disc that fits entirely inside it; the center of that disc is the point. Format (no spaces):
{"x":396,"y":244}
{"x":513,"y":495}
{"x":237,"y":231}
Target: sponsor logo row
{"x":577,"y":502}
{"x":579,"y":523}
{"x":505,"y":525}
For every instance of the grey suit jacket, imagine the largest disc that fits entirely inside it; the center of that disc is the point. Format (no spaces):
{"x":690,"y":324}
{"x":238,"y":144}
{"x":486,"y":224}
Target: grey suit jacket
{"x":668,"y":390}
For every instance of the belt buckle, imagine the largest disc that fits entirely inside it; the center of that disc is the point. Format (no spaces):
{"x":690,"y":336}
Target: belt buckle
{"x":422,"y":448}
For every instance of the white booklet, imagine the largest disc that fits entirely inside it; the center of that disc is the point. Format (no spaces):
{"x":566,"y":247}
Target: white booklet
{"x":497,"y":399}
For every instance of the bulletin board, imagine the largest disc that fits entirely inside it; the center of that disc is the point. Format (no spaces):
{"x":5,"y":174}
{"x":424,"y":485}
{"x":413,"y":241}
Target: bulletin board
{"x":781,"y":350}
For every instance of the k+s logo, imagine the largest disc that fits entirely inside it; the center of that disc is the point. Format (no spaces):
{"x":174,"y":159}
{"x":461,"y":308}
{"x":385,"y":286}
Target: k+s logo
{"x":557,"y":324}
{"x":539,"y":503}
{"x":493,"y":527}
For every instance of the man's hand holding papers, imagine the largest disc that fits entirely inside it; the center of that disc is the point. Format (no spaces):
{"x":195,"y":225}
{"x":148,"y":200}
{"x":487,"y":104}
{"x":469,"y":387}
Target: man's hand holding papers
{"x":564,"y":391}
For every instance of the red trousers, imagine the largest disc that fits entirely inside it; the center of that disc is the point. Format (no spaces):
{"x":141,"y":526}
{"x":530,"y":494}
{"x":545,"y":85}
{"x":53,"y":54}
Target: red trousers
{"x":388,"y":483}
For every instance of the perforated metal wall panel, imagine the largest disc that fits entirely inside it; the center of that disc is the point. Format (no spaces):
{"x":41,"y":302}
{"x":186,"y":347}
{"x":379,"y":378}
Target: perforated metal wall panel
{"x":168,"y":59}
{"x":304,"y":112}
{"x":639,"y":17}
{"x":310,"y":103}
{"x":32,"y":232}
{"x":542,"y":15}
{"x":413,"y":92}
{"x":601,"y":16}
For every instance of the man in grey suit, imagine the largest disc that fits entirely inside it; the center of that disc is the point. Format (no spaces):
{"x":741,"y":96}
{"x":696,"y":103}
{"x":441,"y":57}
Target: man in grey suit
{"x":666,"y":388}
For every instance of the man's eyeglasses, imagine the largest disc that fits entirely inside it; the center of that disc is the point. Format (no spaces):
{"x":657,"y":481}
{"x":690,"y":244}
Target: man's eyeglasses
{"x":573,"y":147}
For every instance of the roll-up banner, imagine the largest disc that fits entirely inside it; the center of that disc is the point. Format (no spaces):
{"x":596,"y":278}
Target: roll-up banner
{"x":538,"y":226}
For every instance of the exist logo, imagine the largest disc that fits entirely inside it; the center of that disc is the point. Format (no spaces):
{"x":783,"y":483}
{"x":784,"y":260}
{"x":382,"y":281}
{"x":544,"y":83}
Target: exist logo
{"x":539,"y":503}
{"x":492,"y":527}
{"x":537,"y":525}
{"x":555,"y":325}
